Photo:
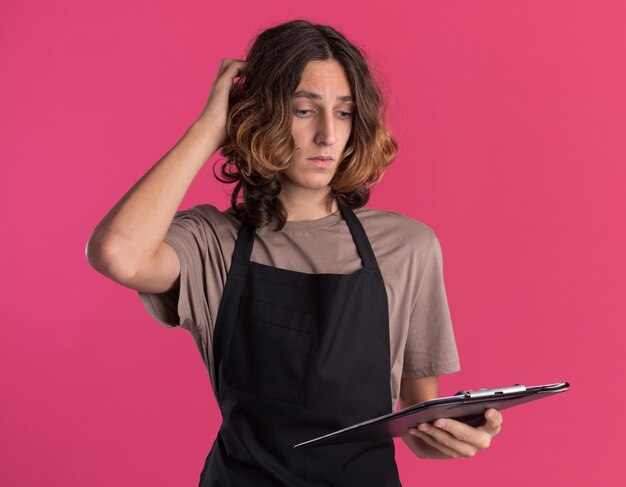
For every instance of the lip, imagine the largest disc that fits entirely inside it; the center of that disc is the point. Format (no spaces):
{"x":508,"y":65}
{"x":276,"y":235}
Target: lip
{"x":321,"y":162}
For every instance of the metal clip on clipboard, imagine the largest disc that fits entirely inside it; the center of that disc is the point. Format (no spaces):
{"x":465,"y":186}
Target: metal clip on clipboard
{"x":480,"y":393}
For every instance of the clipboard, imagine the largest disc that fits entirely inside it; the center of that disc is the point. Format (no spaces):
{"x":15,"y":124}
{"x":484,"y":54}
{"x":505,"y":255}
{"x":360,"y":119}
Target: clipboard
{"x":465,"y":406}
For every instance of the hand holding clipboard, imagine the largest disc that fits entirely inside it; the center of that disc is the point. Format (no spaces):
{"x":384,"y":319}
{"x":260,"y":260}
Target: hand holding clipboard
{"x":465,"y":406}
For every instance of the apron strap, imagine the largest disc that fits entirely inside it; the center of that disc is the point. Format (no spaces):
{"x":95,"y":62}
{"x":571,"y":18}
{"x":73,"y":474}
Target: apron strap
{"x":360,"y":237}
{"x":244,"y":243}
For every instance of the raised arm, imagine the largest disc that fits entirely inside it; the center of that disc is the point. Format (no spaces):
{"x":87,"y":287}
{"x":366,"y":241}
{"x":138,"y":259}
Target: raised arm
{"x":127,"y":245}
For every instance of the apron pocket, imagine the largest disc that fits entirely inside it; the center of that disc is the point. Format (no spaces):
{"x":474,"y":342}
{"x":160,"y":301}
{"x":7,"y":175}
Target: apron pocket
{"x":269,"y":350}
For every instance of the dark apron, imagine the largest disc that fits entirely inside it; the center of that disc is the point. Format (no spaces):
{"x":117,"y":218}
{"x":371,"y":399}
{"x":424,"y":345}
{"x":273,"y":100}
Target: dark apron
{"x":299,"y":355}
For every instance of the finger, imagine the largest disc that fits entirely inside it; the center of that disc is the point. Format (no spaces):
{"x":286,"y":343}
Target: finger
{"x":494,"y":422}
{"x":434,"y":443}
{"x":239,"y":66}
{"x":235,"y":65}
{"x":476,"y":438}
{"x":448,"y":440}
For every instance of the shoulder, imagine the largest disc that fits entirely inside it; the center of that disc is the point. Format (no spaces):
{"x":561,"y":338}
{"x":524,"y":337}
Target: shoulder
{"x":206,"y":222}
{"x":209,"y":215}
{"x":396,"y":231}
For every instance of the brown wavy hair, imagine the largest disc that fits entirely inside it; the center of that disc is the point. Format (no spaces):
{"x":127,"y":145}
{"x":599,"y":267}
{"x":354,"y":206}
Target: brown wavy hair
{"x":258,"y":143}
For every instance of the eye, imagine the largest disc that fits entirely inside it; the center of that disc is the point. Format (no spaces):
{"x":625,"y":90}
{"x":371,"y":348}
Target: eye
{"x":299,"y":112}
{"x":304,"y":112}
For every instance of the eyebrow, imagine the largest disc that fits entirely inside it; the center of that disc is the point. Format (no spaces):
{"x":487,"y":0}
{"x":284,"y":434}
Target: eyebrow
{"x":315,"y":96}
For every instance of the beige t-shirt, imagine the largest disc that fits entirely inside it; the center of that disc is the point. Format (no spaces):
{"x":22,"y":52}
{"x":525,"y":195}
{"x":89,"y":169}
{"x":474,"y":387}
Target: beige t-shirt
{"x":408,"y":254}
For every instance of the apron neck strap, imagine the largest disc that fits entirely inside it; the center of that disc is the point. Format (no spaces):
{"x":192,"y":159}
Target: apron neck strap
{"x":360,"y":237}
{"x":247,"y":233}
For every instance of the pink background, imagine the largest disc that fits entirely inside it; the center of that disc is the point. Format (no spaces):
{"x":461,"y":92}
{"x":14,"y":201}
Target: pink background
{"x":511,"y":120}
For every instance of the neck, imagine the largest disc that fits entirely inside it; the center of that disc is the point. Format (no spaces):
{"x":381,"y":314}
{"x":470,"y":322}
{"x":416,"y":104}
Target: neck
{"x":305,"y":207}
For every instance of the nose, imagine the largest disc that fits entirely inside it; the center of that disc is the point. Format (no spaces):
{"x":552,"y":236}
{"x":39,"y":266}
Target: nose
{"x":326,"y":129}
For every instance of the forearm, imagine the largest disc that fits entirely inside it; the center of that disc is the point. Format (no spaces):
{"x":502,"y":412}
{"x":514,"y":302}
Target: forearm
{"x":414,"y":391}
{"x":135,"y":227}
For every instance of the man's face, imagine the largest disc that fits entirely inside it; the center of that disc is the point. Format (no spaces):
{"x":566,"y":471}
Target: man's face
{"x":321,"y":125}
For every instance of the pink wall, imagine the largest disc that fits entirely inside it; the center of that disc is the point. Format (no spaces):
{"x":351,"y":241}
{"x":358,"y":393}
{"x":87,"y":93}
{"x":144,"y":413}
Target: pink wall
{"x":511,"y":119}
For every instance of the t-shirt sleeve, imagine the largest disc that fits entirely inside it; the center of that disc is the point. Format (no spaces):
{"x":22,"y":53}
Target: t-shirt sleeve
{"x":185,"y":303}
{"x":431,"y":347}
